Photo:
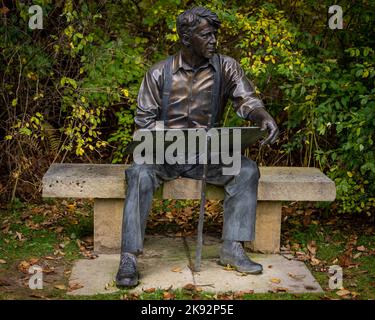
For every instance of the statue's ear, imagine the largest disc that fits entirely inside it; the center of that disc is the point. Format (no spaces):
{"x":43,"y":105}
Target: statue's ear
{"x":186,"y":40}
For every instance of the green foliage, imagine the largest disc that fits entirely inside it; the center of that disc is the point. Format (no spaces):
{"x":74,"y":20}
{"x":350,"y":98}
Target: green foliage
{"x":72,"y":91}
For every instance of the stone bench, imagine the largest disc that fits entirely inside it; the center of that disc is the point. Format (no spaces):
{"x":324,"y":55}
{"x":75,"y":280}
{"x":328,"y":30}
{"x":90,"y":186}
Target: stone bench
{"x":105,"y":183}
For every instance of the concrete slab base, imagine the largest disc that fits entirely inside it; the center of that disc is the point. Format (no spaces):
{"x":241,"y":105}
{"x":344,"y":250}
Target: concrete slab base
{"x":165,"y":264}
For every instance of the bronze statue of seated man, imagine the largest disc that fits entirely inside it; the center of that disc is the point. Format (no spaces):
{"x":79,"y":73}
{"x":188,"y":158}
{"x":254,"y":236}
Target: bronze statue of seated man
{"x":190,"y":90}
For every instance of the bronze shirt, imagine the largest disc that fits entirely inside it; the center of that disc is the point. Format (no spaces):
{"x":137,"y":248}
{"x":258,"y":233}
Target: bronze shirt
{"x":191,"y":91}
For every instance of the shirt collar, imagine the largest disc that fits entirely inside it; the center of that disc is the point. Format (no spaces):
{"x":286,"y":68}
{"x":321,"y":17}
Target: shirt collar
{"x":179,"y":63}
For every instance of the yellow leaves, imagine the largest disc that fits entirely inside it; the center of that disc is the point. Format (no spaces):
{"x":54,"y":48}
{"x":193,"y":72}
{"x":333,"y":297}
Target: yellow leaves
{"x":60,"y":287}
{"x":125,"y":92}
{"x":14,"y":102}
{"x":228,"y":267}
{"x":275,"y":280}
{"x":350,"y":174}
{"x":69,"y":31}
{"x":38,"y":96}
{"x":32,"y":76}
{"x":71,"y":207}
{"x":80,"y":151}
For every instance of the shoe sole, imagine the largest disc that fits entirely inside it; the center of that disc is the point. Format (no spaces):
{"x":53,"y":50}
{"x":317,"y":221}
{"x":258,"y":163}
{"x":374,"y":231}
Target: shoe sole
{"x":239,"y":269}
{"x":127,"y":283}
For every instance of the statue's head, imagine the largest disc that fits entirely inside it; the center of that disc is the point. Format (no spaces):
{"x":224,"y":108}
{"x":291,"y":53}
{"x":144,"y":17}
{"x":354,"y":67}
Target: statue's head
{"x":197,"y":28}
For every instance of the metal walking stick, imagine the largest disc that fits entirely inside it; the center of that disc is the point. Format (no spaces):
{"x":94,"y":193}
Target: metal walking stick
{"x":198,"y":251}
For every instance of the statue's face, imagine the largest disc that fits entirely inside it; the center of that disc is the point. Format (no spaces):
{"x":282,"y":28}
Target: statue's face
{"x":203,"y":40}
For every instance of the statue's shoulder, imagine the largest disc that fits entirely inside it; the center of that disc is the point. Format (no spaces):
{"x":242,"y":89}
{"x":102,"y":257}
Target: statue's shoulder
{"x":156,"y":70}
{"x":227,"y":61}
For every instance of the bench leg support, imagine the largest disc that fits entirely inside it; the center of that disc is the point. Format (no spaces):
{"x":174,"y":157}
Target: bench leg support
{"x":267,"y":228}
{"x":108,"y":222}
{"x":107,"y":225}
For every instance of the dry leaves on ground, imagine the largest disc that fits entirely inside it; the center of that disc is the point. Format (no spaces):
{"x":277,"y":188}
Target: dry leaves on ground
{"x":74,"y":286}
{"x":275,"y":280}
{"x":168,"y":295}
{"x":60,"y":286}
{"x":298,"y":277}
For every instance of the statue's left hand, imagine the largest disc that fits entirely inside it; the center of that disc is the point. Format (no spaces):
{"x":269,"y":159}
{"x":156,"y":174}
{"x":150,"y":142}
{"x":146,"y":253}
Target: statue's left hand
{"x":266,"y":122}
{"x":270,"y":125}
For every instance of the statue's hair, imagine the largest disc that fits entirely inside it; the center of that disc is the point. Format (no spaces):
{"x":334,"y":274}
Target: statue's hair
{"x":189,"y":19}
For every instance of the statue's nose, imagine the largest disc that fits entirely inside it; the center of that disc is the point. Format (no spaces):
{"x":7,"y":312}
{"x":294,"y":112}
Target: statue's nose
{"x":213,"y":39}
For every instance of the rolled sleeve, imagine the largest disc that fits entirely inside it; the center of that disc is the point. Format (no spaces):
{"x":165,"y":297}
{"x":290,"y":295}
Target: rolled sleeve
{"x":241,"y":90}
{"x":149,"y":100}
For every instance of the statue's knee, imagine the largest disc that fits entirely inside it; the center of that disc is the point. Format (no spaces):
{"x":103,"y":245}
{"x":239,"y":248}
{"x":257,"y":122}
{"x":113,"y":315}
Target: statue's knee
{"x":136,"y":171}
{"x":249,"y":171}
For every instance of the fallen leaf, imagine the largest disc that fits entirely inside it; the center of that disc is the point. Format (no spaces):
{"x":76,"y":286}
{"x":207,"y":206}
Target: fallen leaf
{"x":302,"y":256}
{"x":33,"y":260}
{"x":71,"y":207}
{"x":189,"y":286}
{"x":19,"y":236}
{"x":60,"y":286}
{"x":345,"y":261}
{"x":2,"y":261}
{"x":315,"y":261}
{"x":24,"y":267}
{"x":306,"y":220}
{"x":357,"y":255}
{"x":297,"y":277}
{"x":228,"y":267}
{"x":177,"y":269}
{"x":240,"y":294}
{"x":109,"y":285}
{"x":59,"y":229}
{"x":275,"y":280}
{"x":169,"y":288}
{"x":342,"y":292}
{"x":311,"y":246}
{"x":48,"y":270}
{"x":50,"y":258}
{"x":361,"y":248}
{"x":4,"y":10}
{"x":308,"y":287}
{"x":149,"y":290}
{"x":35,"y":295}
{"x":75,"y":286}
{"x":168,"y":296}
{"x":280,"y":289}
